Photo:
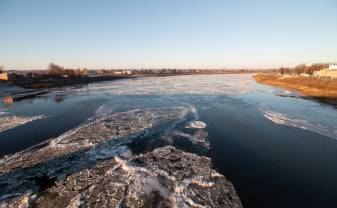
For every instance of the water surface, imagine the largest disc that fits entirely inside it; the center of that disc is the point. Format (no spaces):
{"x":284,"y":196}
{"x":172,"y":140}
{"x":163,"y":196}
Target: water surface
{"x":277,"y":148}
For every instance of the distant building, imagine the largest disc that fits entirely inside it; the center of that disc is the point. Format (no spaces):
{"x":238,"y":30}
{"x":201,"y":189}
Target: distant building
{"x":333,"y":67}
{"x":3,"y":76}
{"x":327,"y":72}
{"x":126,"y":72}
{"x":117,"y":72}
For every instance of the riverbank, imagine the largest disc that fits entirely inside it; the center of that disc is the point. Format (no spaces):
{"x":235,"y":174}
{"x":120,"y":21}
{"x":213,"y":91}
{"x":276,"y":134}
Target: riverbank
{"x":60,"y":82}
{"x":315,"y":87}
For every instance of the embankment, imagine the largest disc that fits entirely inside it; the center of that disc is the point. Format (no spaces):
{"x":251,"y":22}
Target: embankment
{"x":309,"y":86}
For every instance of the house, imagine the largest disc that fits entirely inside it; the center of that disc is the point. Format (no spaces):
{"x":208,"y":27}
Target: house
{"x":333,"y":67}
{"x":128,"y":72}
{"x":3,"y":76}
{"x":117,"y":72}
{"x":327,"y":72}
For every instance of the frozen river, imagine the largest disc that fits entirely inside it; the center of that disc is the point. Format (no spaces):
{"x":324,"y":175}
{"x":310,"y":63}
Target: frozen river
{"x":277,"y":148}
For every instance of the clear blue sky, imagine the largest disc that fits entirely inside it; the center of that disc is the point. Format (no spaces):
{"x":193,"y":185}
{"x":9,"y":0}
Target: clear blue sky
{"x":167,"y":33}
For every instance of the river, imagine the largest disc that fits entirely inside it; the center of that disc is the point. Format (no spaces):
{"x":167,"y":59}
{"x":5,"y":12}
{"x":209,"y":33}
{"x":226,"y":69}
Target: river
{"x":277,"y":148}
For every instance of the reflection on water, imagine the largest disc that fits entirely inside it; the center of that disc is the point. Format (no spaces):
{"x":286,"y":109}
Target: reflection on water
{"x":277,"y":148}
{"x":58,"y":98}
{"x":7,"y":100}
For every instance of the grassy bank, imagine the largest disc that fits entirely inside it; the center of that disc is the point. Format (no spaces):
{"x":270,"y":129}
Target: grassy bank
{"x":308,"y":86}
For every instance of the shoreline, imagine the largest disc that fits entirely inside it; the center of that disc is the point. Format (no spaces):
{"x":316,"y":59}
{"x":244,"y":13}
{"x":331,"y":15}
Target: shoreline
{"x":54,"y":82}
{"x":314,"y":87}
{"x":60,"y":82}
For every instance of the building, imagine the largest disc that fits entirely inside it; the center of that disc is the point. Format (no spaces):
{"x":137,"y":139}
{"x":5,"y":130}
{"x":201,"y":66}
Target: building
{"x":333,"y":67}
{"x":3,"y":76}
{"x":128,"y":72}
{"x":327,"y":72}
{"x":116,"y":72}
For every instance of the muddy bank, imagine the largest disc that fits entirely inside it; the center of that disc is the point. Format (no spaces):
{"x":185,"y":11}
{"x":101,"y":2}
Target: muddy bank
{"x":320,"y":88}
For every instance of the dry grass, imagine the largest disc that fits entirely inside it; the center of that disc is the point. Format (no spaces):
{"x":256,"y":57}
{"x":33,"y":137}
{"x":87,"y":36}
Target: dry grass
{"x":309,"y":86}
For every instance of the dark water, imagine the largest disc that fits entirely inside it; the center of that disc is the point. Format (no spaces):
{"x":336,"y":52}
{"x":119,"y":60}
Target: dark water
{"x":278,"y":149}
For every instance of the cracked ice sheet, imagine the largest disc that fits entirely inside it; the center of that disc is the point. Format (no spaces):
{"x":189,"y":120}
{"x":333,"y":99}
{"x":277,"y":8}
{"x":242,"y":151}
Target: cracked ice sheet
{"x":99,"y":129}
{"x":85,"y":166}
{"x":165,"y":177}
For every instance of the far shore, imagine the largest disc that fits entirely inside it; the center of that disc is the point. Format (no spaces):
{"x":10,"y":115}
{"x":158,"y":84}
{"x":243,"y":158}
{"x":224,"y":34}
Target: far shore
{"x":60,"y":82}
{"x":54,"y":82}
{"x":315,"y":87}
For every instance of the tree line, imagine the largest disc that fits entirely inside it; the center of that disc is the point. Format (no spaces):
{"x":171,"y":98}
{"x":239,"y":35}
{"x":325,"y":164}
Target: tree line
{"x":302,"y":69}
{"x":55,"y":70}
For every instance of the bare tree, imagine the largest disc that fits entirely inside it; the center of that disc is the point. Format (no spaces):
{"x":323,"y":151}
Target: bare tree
{"x":282,"y":71}
{"x":299,"y":69}
{"x":55,"y":70}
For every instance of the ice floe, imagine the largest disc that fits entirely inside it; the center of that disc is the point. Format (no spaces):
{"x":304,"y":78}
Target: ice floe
{"x":9,"y":121}
{"x":196,"y":125}
{"x":287,"y":120}
{"x":92,"y":165}
{"x":100,"y":128}
{"x":164,"y":177}
{"x":88,"y":166}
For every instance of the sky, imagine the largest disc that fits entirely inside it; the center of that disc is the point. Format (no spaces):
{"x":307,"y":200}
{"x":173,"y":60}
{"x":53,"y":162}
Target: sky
{"x":166,"y":33}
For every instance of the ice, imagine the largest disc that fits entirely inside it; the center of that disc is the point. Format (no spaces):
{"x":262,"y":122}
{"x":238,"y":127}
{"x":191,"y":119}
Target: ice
{"x":199,"y":137}
{"x":92,"y":166}
{"x":100,"y":128}
{"x":283,"y":119}
{"x":112,"y":125}
{"x":229,"y":84}
{"x":165,"y":177}
{"x":196,"y":125}
{"x":9,"y":121}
